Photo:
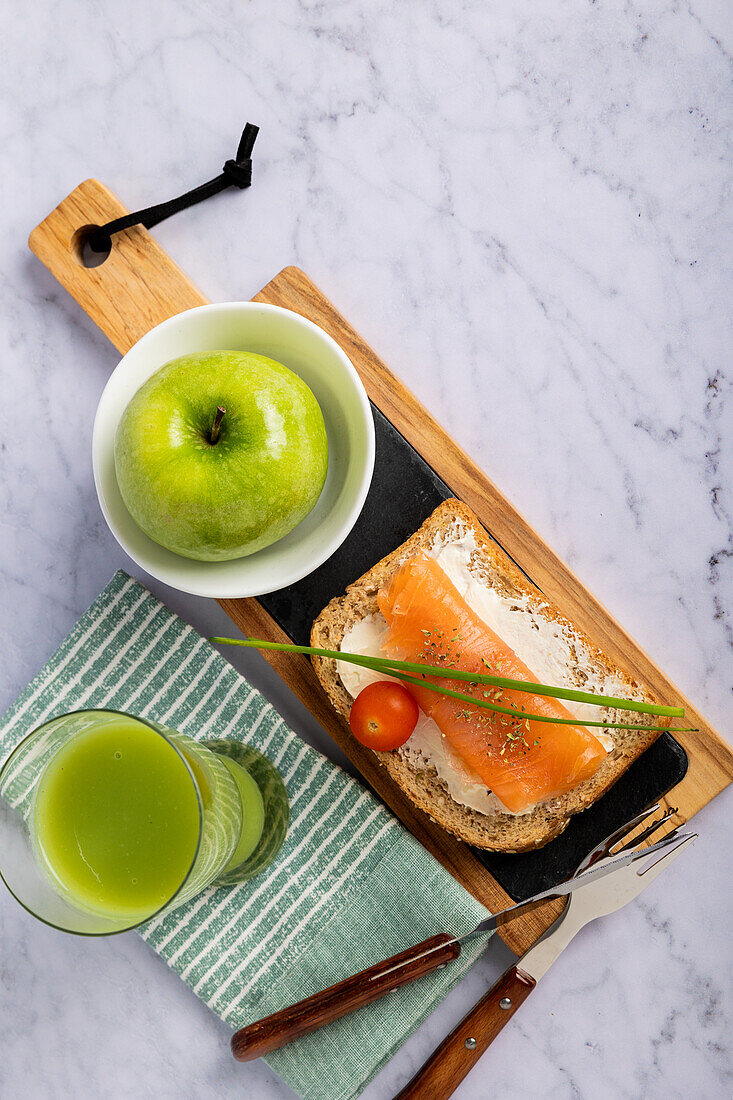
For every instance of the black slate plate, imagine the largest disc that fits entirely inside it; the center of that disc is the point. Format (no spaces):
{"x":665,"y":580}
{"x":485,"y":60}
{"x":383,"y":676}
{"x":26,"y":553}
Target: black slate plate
{"x":403,"y":493}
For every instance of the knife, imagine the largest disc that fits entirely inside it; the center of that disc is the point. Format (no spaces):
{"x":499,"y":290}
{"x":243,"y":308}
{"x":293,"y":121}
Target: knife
{"x":274,"y":1031}
{"x":459,"y":1052}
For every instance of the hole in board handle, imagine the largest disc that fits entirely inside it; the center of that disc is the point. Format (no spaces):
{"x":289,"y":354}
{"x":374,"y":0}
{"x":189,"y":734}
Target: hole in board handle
{"x":83,"y":253}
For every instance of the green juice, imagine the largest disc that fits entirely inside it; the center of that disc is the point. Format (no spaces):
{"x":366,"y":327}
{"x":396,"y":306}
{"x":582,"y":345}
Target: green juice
{"x":108,"y":820}
{"x":129,"y":816}
{"x":117,"y":819}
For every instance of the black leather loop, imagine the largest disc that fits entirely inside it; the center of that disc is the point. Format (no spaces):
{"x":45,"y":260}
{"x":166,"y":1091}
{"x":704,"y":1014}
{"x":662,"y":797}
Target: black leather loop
{"x":235,"y":173}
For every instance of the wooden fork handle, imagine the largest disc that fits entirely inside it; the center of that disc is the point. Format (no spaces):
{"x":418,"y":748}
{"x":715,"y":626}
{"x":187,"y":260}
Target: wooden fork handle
{"x":460,"y":1051}
{"x":331,"y":1004}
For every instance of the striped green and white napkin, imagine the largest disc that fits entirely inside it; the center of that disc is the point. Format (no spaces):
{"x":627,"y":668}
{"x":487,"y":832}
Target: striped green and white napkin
{"x":350,"y":886}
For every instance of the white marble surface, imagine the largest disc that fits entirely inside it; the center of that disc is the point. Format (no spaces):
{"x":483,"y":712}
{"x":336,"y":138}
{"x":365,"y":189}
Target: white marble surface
{"x":526,"y":209}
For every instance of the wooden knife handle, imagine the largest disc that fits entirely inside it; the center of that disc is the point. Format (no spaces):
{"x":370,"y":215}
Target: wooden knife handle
{"x":460,"y":1051}
{"x":338,"y":1000}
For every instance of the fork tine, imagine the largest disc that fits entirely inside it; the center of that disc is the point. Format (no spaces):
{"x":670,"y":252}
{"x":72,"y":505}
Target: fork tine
{"x":613,"y":838}
{"x":649,"y":831}
{"x":684,"y":840}
{"x":626,"y":857}
{"x":658,"y":846}
{"x":631,"y":824}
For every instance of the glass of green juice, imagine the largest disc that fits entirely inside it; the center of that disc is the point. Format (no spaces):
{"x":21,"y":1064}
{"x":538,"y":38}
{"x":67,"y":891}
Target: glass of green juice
{"x":107,"y":819}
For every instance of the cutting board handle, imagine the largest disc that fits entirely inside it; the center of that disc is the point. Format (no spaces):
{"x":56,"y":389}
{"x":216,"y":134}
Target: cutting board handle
{"x":134,"y":289}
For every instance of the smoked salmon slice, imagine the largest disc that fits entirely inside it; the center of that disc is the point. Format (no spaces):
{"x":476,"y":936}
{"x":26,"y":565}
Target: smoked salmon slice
{"x":521,"y":761}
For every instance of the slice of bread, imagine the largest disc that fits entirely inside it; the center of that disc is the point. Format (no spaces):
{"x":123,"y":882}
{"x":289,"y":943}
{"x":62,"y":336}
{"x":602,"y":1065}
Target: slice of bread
{"x":588,"y":669}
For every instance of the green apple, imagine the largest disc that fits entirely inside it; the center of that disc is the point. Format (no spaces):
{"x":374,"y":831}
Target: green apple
{"x":220,"y":454}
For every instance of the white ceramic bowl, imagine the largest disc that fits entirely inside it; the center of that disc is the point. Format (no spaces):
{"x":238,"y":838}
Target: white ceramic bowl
{"x":310,"y":353}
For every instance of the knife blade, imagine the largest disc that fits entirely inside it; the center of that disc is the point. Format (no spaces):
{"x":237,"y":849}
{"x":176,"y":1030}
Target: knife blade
{"x":575,"y":883}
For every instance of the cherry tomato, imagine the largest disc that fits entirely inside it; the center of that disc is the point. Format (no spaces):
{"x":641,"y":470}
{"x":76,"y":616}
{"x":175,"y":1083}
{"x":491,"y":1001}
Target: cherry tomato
{"x":383,"y":716}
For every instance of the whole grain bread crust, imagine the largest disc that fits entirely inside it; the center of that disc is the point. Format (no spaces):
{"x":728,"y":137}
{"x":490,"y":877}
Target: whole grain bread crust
{"x":496,"y":831}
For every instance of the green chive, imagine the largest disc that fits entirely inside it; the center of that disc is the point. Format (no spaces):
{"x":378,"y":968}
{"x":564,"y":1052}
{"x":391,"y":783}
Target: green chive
{"x":388,"y":666}
{"x":523,"y":715}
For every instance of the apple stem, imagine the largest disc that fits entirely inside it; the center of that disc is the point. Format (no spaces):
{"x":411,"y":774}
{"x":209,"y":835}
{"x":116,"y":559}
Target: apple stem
{"x":214,"y":435}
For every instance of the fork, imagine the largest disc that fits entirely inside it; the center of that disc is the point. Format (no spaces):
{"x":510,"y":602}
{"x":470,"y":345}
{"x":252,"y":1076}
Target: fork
{"x":459,"y":1052}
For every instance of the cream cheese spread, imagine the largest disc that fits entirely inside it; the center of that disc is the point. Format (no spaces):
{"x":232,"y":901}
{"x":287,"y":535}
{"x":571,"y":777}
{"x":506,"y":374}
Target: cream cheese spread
{"x":543,"y":645}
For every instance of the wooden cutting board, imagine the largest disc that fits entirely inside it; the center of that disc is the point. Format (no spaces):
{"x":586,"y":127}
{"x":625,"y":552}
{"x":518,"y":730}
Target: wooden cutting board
{"x":138,"y":286}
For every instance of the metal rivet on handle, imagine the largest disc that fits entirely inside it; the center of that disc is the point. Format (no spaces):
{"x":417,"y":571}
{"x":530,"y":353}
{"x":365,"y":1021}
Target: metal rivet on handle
{"x":471,"y":1044}
{"x":441,"y":967}
{"x":505,"y":1002}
